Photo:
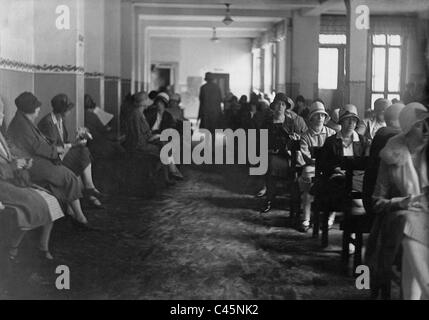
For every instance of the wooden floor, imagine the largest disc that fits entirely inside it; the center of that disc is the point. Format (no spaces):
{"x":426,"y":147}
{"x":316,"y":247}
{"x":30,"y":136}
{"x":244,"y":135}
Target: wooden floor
{"x":200,"y":239}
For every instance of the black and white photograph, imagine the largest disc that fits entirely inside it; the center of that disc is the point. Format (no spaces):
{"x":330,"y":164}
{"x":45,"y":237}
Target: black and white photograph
{"x":214,"y":154}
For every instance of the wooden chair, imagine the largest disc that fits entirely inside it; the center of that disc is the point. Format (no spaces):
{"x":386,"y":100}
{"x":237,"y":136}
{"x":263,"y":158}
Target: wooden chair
{"x":295,"y":197}
{"x":355,"y":220}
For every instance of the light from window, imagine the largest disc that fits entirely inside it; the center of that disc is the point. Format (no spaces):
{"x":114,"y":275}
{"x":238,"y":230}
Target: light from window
{"x":394,"y":40}
{"x":332,"y":39}
{"x":379,"y":39}
{"x":394,"y":69}
{"x":378,"y":68}
{"x":328,"y":68}
{"x":394,"y":96}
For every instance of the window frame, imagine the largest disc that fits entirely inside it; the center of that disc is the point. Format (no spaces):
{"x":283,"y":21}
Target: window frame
{"x":342,"y":52}
{"x":402,"y":70}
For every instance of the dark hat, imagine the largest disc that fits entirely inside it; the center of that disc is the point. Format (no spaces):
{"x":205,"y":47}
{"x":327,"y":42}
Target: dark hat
{"x":88,"y":102}
{"x":61,"y":103}
{"x":27,"y":102}
{"x":280,"y":96}
{"x":208,"y":76}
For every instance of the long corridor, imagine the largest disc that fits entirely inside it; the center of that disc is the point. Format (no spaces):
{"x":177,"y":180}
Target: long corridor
{"x":201,"y":239}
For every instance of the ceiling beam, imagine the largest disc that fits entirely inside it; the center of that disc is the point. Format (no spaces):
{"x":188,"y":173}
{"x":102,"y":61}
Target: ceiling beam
{"x":323,"y":8}
{"x":206,"y":24}
{"x":199,"y":11}
{"x":200,"y":33}
{"x":235,"y":4}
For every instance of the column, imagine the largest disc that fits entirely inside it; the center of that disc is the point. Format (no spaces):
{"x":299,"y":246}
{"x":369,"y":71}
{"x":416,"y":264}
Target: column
{"x":94,"y":50}
{"x":126,"y":47}
{"x":356,"y":58}
{"x":305,"y":55}
{"x":112,"y":58}
{"x":59,"y":55}
{"x":281,"y":66}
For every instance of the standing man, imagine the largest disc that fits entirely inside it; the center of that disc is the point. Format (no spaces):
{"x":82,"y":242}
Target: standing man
{"x":210,"y":112}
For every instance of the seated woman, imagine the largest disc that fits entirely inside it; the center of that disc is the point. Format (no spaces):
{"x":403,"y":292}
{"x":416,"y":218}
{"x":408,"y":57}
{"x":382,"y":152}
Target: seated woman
{"x":75,"y":156}
{"x":139,"y":138}
{"x":315,"y":137}
{"x":102,"y":146}
{"x":47,"y":170}
{"x":156,"y":115}
{"x":32,"y":205}
{"x":401,"y":206}
{"x":346,"y":143}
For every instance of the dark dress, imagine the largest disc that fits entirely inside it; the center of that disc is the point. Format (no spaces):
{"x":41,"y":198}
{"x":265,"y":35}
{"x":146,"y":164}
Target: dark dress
{"x":138,"y":134}
{"x":167,"y":121}
{"x":78,"y":158}
{"x":102,"y":146}
{"x":210,"y":111}
{"x":30,"y":208}
{"x":47,"y":170}
{"x":331,"y":188}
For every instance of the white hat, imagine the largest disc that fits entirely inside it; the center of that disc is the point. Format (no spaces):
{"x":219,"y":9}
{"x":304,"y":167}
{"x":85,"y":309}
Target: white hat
{"x":412,"y":113}
{"x":317,"y":107}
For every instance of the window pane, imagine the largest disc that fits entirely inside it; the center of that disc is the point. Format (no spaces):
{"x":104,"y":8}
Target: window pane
{"x":378,"y":68}
{"x":257,"y":69}
{"x":374,"y":97}
{"x":394,"y":96}
{"x":328,"y":68}
{"x":394,"y":68}
{"x":394,"y":39}
{"x":332,"y":38}
{"x":379,"y":39}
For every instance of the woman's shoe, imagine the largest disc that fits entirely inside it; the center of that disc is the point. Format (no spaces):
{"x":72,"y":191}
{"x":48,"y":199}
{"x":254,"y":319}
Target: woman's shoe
{"x":95,"y":203}
{"x":266,"y":207}
{"x":82,"y":226}
{"x":88,"y":192}
{"x":177,"y":176}
{"x":261,"y":193}
{"x":303,"y":227}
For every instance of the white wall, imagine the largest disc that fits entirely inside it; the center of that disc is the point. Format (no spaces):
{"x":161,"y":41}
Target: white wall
{"x":196,"y":56}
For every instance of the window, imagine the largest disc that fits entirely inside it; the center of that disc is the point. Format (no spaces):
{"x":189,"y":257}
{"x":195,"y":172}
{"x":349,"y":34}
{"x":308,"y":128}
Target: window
{"x":386,"y":66}
{"x":256,"y":76}
{"x":331,"y":60}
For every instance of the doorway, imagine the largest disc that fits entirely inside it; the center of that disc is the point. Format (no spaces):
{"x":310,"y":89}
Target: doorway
{"x":163,"y":76}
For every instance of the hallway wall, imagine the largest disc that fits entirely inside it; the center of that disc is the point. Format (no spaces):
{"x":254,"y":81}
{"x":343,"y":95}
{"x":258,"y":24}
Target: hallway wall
{"x":196,"y":56}
{"x":16,"y":53}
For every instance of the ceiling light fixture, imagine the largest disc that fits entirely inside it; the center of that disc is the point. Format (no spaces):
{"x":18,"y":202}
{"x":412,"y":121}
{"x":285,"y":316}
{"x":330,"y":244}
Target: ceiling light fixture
{"x":214,"y":38}
{"x":227,"y":20}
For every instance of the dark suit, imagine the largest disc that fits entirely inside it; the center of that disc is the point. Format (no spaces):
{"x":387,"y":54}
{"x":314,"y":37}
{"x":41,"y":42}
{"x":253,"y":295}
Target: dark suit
{"x":167,"y":120}
{"x":78,"y":158}
{"x":210,"y":111}
{"x":47,"y":169}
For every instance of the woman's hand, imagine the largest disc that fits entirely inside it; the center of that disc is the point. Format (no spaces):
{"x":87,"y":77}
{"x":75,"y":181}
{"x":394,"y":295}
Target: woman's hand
{"x":20,"y":163}
{"x":61,"y":150}
{"x":155,"y":137}
{"x":338,"y":170}
{"x":81,"y":142}
{"x":415,"y":203}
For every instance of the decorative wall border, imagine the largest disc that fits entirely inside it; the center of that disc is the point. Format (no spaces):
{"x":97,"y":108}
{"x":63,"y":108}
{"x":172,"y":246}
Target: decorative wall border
{"x":112,"y":78}
{"x":94,"y":75}
{"x":13,"y":65}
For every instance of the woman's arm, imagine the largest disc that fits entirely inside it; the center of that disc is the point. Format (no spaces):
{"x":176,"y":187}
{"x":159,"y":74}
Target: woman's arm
{"x":382,"y":200}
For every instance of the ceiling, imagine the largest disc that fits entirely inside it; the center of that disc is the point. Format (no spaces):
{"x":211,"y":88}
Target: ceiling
{"x":196,"y":18}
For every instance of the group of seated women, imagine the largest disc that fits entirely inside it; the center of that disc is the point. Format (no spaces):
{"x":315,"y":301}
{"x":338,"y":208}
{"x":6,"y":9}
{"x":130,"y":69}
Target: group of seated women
{"x":396,"y":179}
{"x":44,"y":173}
